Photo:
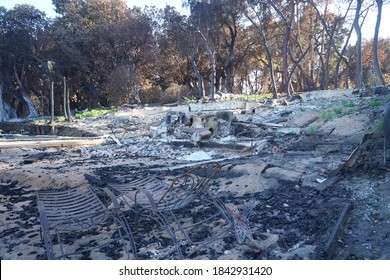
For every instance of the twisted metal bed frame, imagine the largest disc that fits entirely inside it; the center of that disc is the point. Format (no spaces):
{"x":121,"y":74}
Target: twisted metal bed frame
{"x":76,"y":210}
{"x":170,"y":204}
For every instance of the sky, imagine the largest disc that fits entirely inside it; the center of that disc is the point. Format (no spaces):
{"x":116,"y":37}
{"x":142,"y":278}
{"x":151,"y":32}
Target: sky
{"x":368,"y":27}
{"x":47,"y":7}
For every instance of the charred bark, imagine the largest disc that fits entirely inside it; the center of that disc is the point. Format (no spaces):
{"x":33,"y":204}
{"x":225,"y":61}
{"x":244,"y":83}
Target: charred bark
{"x":285,"y":80}
{"x":359,"y":74}
{"x":269,"y":55}
{"x":201,"y":91}
{"x":52,"y":102}
{"x":377,"y":67}
{"x":65,"y":101}
{"x":229,"y":62}
{"x":321,"y":18}
{"x":27,"y":105}
{"x":296,"y":65}
{"x":340,"y":60}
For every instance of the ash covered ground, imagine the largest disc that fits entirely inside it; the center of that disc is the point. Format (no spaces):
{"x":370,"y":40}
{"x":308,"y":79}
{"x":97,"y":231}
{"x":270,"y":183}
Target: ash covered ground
{"x":313,"y":166}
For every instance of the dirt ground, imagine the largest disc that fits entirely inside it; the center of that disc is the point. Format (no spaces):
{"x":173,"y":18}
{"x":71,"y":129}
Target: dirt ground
{"x":316,"y":175}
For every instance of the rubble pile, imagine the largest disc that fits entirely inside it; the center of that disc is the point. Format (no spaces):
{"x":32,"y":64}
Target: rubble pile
{"x":312,"y":164}
{"x":179,"y":133}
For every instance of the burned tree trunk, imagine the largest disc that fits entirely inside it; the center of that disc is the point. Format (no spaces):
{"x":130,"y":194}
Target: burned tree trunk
{"x":211,"y":55}
{"x":3,"y":114}
{"x":295,"y":66}
{"x":332,"y":43}
{"x":52,"y":102}
{"x":68,"y":102}
{"x":65,"y":102}
{"x":336,"y":76}
{"x":212,"y":62}
{"x":377,"y":68}
{"x":201,"y":91}
{"x":30,"y":112}
{"x":359,"y":74}
{"x":268,"y":52}
{"x":285,"y":84}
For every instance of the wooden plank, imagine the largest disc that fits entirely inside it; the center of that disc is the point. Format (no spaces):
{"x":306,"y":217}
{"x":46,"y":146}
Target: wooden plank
{"x":52,"y":142}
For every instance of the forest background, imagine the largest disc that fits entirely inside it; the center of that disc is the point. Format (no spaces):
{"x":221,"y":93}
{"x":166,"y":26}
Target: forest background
{"x":105,"y":53}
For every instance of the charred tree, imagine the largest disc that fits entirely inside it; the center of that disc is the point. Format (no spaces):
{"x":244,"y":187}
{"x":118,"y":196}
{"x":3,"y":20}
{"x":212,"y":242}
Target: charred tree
{"x":377,"y":67}
{"x":287,"y":22}
{"x":356,"y":24}
{"x":266,"y":47}
{"x":65,"y":101}
{"x":201,"y":92}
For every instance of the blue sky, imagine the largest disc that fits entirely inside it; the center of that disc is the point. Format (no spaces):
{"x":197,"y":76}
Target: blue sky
{"x":46,"y":6}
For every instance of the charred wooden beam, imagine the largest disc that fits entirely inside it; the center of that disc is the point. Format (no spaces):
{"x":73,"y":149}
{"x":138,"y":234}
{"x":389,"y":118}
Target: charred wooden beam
{"x":35,"y":157}
{"x":330,"y":243}
{"x":212,"y":144}
{"x":259,"y":124}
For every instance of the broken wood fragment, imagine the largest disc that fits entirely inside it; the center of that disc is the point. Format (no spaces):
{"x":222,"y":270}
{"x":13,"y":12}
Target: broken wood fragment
{"x":94,"y":180}
{"x":192,"y":130}
{"x":330,"y":243}
{"x":281,"y":128}
{"x":349,"y":163}
{"x":289,"y":130}
{"x":239,"y":146}
{"x":198,"y":136}
{"x":258,"y":124}
{"x":36,"y":157}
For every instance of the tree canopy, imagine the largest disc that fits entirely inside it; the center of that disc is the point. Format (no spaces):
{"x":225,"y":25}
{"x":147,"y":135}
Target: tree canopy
{"x":108,"y":54}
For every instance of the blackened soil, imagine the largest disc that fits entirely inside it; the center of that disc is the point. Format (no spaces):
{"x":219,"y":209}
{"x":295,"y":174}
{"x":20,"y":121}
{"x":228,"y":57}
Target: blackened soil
{"x":300,"y":215}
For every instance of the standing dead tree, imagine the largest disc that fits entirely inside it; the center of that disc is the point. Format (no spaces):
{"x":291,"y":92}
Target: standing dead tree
{"x":202,"y":24}
{"x":287,"y":22}
{"x":377,"y":68}
{"x":359,"y":74}
{"x":198,"y":75}
{"x":330,"y":34}
{"x":295,"y":67}
{"x":66,"y":104}
{"x":258,"y":14}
